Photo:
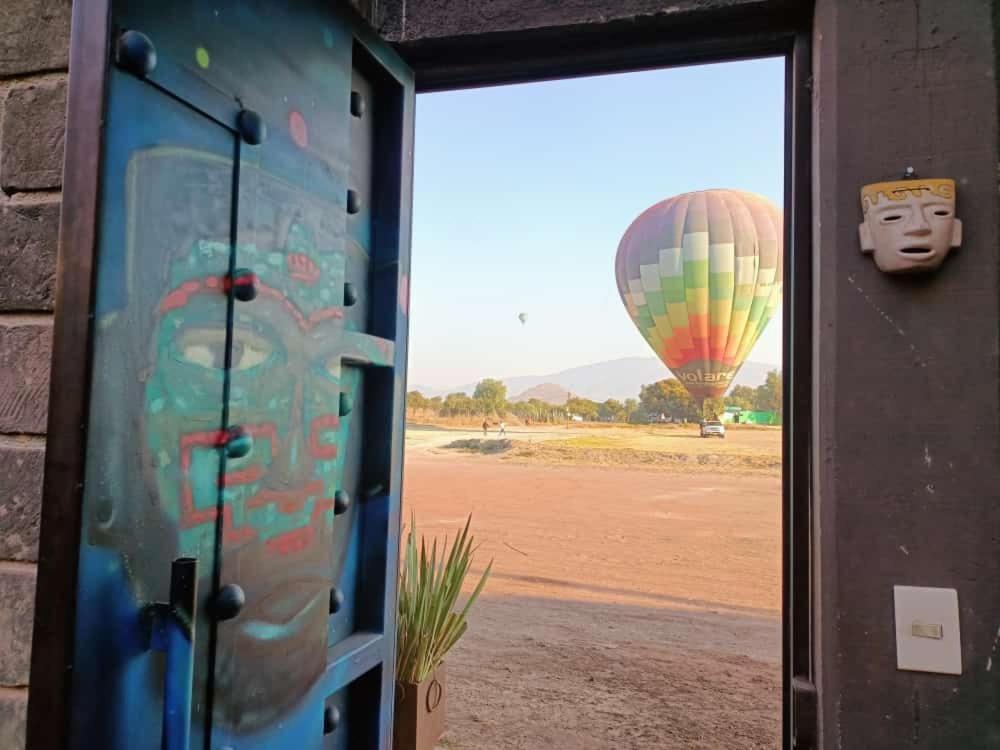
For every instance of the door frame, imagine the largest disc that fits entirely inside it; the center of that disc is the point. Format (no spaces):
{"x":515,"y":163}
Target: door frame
{"x":714,"y":36}
{"x":50,"y":694}
{"x":442,"y":64}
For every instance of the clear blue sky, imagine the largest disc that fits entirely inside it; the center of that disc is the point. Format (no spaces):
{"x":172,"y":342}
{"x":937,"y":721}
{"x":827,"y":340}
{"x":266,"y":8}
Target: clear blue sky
{"x":522,"y":193}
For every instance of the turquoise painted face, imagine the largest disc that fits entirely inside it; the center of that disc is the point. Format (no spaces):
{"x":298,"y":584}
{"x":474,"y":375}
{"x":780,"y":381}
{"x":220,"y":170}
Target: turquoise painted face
{"x":291,"y":380}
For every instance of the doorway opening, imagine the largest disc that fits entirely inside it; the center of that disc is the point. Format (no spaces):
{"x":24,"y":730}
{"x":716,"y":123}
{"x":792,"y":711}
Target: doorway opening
{"x":597,"y":359}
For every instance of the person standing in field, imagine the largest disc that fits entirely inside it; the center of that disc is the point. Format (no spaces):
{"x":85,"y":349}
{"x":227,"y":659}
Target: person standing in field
{"x":503,"y":429}
{"x":485,"y":427}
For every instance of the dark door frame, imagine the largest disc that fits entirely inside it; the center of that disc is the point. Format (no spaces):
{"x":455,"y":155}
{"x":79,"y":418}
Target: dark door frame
{"x":499,"y":58}
{"x":440,"y":64}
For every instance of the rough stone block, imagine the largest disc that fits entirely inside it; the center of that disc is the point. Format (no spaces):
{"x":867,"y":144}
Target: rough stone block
{"x":29,"y":236}
{"x":34,"y":35}
{"x":34,"y":125}
{"x":13,"y":717}
{"x":22,"y":466}
{"x":25,"y":351}
{"x":17,"y":608}
{"x":414,"y":20}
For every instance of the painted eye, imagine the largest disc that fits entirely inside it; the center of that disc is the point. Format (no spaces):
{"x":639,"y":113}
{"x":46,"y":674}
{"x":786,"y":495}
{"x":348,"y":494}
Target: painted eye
{"x":206,"y":347}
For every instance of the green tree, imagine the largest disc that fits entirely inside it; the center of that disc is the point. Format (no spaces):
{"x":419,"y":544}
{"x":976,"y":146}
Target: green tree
{"x":713,"y":408}
{"x":768,"y":397}
{"x":742,"y":396}
{"x":458,"y":405}
{"x":583,"y":407}
{"x":668,"y":397}
{"x":491,"y":395}
{"x":611,"y":411}
{"x":629,"y":409}
{"x":416,"y":401}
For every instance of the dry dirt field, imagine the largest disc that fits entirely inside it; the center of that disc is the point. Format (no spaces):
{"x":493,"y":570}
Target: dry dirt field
{"x":634,"y":603}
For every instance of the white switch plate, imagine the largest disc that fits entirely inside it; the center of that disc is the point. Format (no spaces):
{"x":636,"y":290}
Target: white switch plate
{"x":923,"y":614}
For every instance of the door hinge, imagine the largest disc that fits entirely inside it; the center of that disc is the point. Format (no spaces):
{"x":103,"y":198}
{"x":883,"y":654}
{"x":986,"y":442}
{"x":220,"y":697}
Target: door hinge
{"x":805,"y":715}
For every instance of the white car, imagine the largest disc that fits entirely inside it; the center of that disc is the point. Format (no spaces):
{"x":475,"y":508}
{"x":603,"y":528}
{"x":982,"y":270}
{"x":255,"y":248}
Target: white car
{"x":712,"y":427}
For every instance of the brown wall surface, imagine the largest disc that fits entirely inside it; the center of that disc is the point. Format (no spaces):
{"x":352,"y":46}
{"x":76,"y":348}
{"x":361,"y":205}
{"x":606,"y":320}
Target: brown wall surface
{"x":907,"y":408}
{"x":34,"y":44}
{"x":420,"y":20}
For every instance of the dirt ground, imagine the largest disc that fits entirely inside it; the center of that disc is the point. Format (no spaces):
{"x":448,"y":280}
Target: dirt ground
{"x":629,"y":606}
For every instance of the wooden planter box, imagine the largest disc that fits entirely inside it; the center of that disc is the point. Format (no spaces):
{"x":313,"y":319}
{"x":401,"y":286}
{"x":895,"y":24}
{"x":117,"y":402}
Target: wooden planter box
{"x":419,"y":719}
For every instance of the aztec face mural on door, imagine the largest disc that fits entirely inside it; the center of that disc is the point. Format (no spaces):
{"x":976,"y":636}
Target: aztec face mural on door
{"x":247,"y":386}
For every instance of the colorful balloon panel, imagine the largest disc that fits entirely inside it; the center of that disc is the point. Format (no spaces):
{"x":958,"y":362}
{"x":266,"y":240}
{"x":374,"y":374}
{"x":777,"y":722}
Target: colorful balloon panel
{"x":700,"y":275}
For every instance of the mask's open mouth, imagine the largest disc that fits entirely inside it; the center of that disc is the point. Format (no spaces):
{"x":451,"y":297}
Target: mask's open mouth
{"x":285,"y":609}
{"x":917,"y":250}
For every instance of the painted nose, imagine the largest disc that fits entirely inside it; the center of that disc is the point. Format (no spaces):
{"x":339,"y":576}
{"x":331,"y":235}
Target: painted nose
{"x":292,"y":464}
{"x":917,"y":225}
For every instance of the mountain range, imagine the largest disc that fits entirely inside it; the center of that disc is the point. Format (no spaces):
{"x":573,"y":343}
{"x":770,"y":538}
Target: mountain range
{"x":617,"y":378}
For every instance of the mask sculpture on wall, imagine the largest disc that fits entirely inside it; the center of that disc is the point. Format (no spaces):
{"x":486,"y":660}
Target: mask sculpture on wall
{"x":910,"y":224}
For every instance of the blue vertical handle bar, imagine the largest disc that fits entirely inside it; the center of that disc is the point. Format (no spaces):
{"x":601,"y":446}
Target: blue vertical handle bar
{"x":178,"y":637}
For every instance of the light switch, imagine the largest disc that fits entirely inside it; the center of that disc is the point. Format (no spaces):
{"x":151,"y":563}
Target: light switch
{"x":927,"y":633}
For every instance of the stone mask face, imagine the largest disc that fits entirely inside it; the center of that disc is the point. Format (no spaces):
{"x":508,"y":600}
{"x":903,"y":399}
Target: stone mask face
{"x":910,"y":225}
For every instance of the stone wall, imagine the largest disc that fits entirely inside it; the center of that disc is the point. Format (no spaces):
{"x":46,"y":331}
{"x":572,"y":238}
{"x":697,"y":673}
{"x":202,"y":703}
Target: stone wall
{"x":34,"y":46}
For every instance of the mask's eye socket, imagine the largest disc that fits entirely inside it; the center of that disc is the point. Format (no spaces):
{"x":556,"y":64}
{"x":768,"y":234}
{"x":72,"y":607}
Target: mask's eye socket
{"x":942,"y":212}
{"x":890,"y":218}
{"x":206,"y":347}
{"x":249,"y":349}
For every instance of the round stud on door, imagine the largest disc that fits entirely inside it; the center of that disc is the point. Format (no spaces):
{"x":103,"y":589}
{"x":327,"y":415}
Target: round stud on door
{"x":357,"y":104}
{"x":253,"y":129}
{"x":244,"y":284}
{"x":350,"y":294}
{"x":336,"y":600}
{"x":341,"y":502}
{"x":135,"y":53}
{"x":239,"y":442}
{"x":353,"y":201}
{"x":331,"y":719}
{"x":228,"y":602}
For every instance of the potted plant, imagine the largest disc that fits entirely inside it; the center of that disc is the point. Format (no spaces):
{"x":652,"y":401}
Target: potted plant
{"x":428,"y":627}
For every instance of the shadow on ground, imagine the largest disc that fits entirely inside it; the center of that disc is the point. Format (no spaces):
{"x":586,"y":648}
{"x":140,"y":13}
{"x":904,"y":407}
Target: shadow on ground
{"x":556,"y":674}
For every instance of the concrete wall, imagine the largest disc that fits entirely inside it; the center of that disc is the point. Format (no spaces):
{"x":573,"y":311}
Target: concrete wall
{"x":405,"y":21}
{"x":34,"y":42}
{"x":901,"y":500}
{"x":908,"y":447}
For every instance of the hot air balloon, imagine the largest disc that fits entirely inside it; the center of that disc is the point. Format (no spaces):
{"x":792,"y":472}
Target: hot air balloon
{"x":700,"y":276}
{"x":523,"y":317}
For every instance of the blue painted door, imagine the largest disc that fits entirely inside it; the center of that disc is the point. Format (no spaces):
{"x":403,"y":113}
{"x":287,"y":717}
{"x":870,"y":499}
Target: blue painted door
{"x":247,"y":399}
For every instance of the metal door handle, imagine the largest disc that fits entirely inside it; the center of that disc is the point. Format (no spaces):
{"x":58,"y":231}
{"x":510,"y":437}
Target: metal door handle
{"x":172,"y":632}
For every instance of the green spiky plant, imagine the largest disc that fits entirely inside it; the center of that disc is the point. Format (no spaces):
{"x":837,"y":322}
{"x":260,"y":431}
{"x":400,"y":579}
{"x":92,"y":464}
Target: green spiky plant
{"x":428,"y":625}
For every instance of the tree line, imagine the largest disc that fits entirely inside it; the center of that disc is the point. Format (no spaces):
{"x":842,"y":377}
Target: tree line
{"x":667,"y":398}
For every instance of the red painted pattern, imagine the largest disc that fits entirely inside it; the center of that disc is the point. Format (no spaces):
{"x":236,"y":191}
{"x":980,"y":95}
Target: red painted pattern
{"x":302,"y":538}
{"x":302,"y":268}
{"x":182,"y":295}
{"x":319,"y":425}
{"x":288,"y":502}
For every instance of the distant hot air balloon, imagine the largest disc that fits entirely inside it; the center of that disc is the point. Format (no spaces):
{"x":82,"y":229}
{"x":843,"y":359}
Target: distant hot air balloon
{"x":523,"y":317}
{"x":700,"y":275}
